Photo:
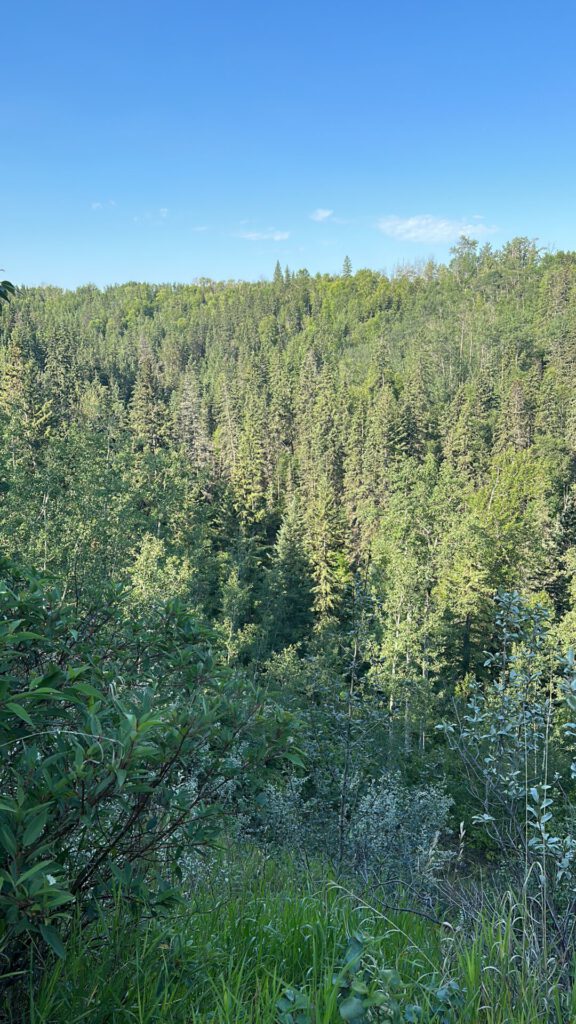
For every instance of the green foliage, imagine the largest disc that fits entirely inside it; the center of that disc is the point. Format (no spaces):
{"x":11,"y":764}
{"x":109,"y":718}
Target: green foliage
{"x":121,"y":739}
{"x":6,"y":290}
{"x":362,"y":987}
{"x":292,"y":499}
{"x":417,"y":429}
{"x":363,"y":990}
{"x":259,"y":940}
{"x":505,"y":737}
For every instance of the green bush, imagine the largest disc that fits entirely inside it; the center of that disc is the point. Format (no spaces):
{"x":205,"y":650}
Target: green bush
{"x":121,"y":741}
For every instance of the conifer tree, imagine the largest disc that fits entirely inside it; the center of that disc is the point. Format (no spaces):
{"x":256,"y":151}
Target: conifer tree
{"x":289,"y":584}
{"x":148,"y":412}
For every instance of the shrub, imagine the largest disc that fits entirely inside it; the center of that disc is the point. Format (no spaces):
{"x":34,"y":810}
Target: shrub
{"x":396,"y":829}
{"x":510,"y":739}
{"x":119,"y":738}
{"x":393,"y":830}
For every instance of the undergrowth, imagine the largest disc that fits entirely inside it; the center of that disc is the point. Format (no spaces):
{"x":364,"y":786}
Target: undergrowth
{"x":262,"y":942}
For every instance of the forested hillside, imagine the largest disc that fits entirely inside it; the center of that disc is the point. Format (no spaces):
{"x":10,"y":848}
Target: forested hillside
{"x":265,"y":451}
{"x":297,"y":525}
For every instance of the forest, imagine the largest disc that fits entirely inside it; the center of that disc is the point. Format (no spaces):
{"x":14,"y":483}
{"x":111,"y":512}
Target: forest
{"x":287,"y":632}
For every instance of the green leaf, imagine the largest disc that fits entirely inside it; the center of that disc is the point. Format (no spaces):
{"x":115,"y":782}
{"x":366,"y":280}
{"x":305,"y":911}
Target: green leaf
{"x":25,"y":635}
{"x":20,"y":713}
{"x":8,"y":840}
{"x":352,"y":1009}
{"x":87,"y":690}
{"x":354,"y":952}
{"x":58,"y":899}
{"x":74,"y":673}
{"x":294,"y":759}
{"x":8,"y":627}
{"x":35,"y":828}
{"x":40,"y":866}
{"x":413,"y":1014}
{"x":40,"y":691}
{"x":51,"y":936}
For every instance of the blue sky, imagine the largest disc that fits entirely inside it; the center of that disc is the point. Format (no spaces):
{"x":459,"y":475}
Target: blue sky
{"x":174,"y":140}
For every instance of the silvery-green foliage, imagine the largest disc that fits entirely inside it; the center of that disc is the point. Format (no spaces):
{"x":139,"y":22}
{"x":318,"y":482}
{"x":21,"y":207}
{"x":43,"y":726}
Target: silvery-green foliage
{"x":507,"y":738}
{"x":396,"y":829}
{"x":285,"y":816}
{"x":507,"y":721}
{"x":503,"y":732}
{"x":349,"y":808}
{"x":392,"y":830}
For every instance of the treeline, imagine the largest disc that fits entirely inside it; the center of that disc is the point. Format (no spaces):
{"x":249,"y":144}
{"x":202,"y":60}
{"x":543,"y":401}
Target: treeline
{"x":288,"y":455}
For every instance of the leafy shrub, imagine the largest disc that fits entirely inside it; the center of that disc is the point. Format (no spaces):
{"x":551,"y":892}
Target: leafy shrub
{"x":366,"y":990}
{"x":119,"y":739}
{"x":510,"y":738}
{"x":396,"y":829}
{"x":393,"y":830}
{"x":347,"y":805}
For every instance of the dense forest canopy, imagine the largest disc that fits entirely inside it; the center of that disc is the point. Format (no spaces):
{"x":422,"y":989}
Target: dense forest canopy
{"x":259,"y":449}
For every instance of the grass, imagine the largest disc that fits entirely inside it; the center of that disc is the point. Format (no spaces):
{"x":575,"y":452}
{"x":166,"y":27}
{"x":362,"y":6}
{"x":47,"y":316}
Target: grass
{"x":259,"y":927}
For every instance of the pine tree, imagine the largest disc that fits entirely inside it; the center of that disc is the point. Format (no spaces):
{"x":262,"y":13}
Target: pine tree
{"x":27,"y":414}
{"x":289,"y":584}
{"x":192,"y":425}
{"x":326,"y":545}
{"x":148,"y":412}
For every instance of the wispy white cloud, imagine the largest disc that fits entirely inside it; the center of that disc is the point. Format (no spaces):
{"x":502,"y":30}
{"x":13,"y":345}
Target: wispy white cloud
{"x":425,"y":227}
{"x":265,"y":236}
{"x":102,"y":206}
{"x":152,"y":217}
{"x":321,"y":214}
{"x":201,"y":227}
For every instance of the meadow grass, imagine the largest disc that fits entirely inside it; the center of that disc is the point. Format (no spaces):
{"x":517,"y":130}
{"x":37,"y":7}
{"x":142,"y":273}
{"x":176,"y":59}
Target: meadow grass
{"x":257,"y":927}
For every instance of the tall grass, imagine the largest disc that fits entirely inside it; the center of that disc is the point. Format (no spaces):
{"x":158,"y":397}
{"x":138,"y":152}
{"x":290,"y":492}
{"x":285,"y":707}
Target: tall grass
{"x":254,"y":929}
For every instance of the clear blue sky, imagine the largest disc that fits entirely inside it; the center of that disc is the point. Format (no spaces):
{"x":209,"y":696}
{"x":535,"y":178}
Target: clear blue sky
{"x":174,"y":140}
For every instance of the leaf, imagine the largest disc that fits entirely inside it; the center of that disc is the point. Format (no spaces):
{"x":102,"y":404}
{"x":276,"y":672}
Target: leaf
{"x":8,"y":840}
{"x":352,"y":1009}
{"x":40,"y":866}
{"x":294,"y":759}
{"x":25,"y":635}
{"x":20,"y":713}
{"x":413,"y":1014}
{"x":59,"y":898}
{"x":35,"y":828}
{"x":74,"y":673}
{"x":353,"y":952}
{"x":41,"y":691}
{"x":8,"y":627}
{"x":51,"y":936}
{"x":87,"y":690}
